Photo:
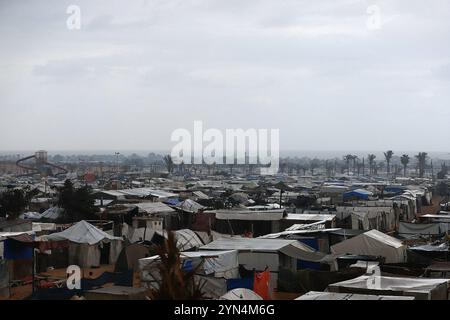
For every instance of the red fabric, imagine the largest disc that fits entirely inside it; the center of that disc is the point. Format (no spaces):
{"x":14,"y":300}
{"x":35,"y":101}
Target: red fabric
{"x":261,"y":284}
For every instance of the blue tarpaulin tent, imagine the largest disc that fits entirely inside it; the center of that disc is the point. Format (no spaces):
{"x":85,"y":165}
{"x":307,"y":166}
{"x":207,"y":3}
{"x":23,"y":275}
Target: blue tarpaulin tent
{"x":358,"y":194}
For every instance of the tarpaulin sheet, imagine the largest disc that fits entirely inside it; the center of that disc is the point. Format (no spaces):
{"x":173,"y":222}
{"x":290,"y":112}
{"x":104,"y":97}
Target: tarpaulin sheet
{"x":421,"y":288}
{"x":411,"y":230}
{"x":81,"y":232}
{"x":261,"y":284}
{"x":443,"y":247}
{"x":315,"y":295}
{"x":373,"y":243}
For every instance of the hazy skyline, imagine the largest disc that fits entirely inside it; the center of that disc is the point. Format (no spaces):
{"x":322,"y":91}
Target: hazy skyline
{"x":136,"y":71}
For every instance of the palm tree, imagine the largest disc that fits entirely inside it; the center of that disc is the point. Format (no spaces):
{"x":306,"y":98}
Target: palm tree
{"x":379,"y":167}
{"x":404,"y":160}
{"x":355,"y":162}
{"x":169,"y":163}
{"x":348,"y":158}
{"x":422,"y":159}
{"x":371,"y":158}
{"x":314,"y":164}
{"x":388,"y":155}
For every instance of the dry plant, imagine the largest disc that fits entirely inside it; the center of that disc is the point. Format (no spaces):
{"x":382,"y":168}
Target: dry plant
{"x":174,"y":283}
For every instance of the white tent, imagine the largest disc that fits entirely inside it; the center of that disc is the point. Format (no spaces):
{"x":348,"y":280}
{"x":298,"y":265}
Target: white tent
{"x":420,"y":288}
{"x":214,"y":267}
{"x":241,"y":294}
{"x":314,"y":295}
{"x":220,"y":264}
{"x":257,"y":253}
{"x":373,"y":243}
{"x":85,"y":243}
{"x":189,"y":205}
{"x":82,"y":232}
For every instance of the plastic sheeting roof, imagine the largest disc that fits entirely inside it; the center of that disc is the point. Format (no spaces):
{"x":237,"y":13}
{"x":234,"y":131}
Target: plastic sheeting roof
{"x":6,"y":235}
{"x":189,"y":205}
{"x":373,"y":243}
{"x":264,"y":215}
{"x":310,"y":217}
{"x":315,"y":295}
{"x":291,"y":248}
{"x":251,"y":244}
{"x":392,"y":283}
{"x":213,"y":261}
{"x":186,"y":239}
{"x":81,"y":232}
{"x":154,"y":207}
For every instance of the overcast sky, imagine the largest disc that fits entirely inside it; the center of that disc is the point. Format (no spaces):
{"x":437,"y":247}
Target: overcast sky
{"x":137,"y":70}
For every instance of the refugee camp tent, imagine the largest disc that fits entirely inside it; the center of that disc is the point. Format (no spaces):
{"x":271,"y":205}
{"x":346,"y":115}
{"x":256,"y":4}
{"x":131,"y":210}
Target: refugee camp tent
{"x":415,"y":230}
{"x":315,"y":295}
{"x":240,"y":294}
{"x":30,"y":215}
{"x":129,"y":257}
{"x":360,"y":194}
{"x":154,"y":208}
{"x":186,"y":239}
{"x":259,"y":254}
{"x":420,"y":288}
{"x":189,"y":205}
{"x":52,"y":213}
{"x":212,"y":267}
{"x":240,"y":221}
{"x":16,"y":251}
{"x":85,"y":242}
{"x":373,"y":243}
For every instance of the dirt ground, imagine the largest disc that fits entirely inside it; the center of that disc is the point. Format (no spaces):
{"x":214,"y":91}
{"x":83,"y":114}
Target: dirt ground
{"x":434,"y":208}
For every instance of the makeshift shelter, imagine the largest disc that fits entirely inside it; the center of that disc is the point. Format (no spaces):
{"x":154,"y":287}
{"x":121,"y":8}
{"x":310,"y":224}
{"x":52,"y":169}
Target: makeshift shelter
{"x":16,"y":255}
{"x":373,"y":243}
{"x":128,"y":258}
{"x":30,"y":216}
{"x":358,"y":194}
{"x":258,"y":254}
{"x":417,"y":230}
{"x":186,"y":239}
{"x":241,"y":221}
{"x":52,"y":213}
{"x":315,"y":295}
{"x":86,"y":242}
{"x":420,"y":288}
{"x":190,"y":206}
{"x":212,"y":267}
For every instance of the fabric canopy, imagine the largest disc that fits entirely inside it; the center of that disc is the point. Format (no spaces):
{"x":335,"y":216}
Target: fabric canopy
{"x":374,"y":243}
{"x":411,"y":230}
{"x":81,"y":232}
{"x":218,"y":263}
{"x":314,"y":295}
{"x":190,"y":206}
{"x":393,"y":283}
{"x":291,"y":248}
